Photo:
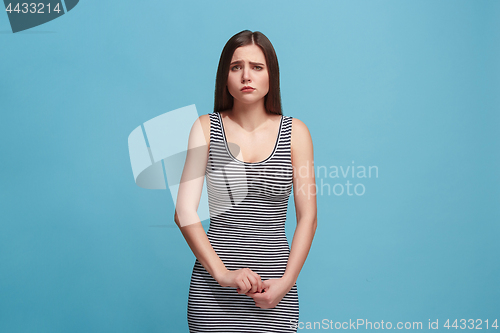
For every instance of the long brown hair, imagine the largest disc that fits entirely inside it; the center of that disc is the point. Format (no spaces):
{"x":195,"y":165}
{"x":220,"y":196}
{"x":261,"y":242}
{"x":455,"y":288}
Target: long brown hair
{"x":223,"y":99}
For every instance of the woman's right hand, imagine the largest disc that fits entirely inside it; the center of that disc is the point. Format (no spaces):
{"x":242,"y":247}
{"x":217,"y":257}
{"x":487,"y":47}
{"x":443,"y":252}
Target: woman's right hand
{"x":244,"y":280}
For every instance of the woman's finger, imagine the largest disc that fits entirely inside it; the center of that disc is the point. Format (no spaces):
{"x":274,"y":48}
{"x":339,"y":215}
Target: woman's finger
{"x":245,"y":285}
{"x":254,"y":283}
{"x":259,"y":283}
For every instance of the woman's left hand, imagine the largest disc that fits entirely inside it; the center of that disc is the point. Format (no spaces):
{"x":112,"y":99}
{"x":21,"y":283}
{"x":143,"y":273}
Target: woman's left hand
{"x":273,"y":292}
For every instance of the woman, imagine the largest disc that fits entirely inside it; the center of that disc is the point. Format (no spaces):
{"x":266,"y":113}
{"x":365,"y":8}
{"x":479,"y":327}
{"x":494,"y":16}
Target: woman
{"x":244,"y":276}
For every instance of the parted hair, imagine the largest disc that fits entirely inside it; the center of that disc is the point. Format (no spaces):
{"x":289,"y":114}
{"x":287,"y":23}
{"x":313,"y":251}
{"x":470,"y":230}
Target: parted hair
{"x":223,"y":99}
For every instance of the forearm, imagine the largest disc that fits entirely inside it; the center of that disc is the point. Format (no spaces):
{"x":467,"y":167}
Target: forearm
{"x":301,"y":243}
{"x":199,"y":243}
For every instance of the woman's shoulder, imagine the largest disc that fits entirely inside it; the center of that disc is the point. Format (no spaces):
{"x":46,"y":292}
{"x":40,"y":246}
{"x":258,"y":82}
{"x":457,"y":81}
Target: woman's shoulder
{"x":299,"y":127}
{"x":201,"y":129}
{"x":300,"y":137}
{"x":204,"y":121}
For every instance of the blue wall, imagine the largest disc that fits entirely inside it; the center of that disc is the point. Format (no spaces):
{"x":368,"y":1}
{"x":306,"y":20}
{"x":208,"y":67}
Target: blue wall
{"x":410,"y":87}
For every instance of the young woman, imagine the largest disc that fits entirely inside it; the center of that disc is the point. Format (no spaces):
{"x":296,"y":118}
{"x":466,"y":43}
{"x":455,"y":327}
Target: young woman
{"x":244,"y":276}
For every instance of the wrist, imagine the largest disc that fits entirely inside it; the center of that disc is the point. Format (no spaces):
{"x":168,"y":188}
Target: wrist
{"x":219,"y":274}
{"x":288,"y":280}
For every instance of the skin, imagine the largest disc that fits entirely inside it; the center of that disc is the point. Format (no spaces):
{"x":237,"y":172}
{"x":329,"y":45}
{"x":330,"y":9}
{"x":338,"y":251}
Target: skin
{"x":254,"y":130}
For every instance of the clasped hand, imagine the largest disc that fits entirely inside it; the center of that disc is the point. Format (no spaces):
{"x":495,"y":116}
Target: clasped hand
{"x":266,"y":294}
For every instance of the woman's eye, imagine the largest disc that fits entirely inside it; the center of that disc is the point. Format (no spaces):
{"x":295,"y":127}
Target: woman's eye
{"x":234,"y":67}
{"x":258,"y":67}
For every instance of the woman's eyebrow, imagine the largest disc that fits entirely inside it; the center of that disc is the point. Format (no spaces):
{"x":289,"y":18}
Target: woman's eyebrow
{"x":251,"y":62}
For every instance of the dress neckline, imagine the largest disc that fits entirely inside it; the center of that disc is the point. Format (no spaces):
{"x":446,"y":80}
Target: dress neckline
{"x":249,"y":163}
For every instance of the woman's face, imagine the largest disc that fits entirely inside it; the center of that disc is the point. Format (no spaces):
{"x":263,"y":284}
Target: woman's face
{"x":248,"y":68}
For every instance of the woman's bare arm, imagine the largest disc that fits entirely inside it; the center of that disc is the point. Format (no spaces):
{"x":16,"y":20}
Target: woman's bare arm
{"x":304,"y":191}
{"x":188,"y":198}
{"x":186,"y":216}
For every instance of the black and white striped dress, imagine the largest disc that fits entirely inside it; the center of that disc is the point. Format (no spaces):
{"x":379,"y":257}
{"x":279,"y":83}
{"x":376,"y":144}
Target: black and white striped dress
{"x":248,"y":205}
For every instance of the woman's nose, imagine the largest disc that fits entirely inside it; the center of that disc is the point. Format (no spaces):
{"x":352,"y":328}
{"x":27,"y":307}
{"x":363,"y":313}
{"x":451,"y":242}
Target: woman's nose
{"x":245,"y":74}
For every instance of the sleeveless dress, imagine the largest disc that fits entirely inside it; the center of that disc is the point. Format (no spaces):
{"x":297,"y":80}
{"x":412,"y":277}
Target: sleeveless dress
{"x":248,"y":205}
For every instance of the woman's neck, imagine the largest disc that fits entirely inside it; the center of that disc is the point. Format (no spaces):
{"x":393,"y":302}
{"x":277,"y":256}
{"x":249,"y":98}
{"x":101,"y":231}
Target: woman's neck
{"x":249,"y":116}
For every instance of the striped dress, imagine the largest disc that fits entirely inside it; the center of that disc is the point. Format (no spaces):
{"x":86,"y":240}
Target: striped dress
{"x":248,"y":205}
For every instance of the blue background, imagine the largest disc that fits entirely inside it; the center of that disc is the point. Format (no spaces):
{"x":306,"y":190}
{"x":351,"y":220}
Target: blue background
{"x":411,"y":87}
